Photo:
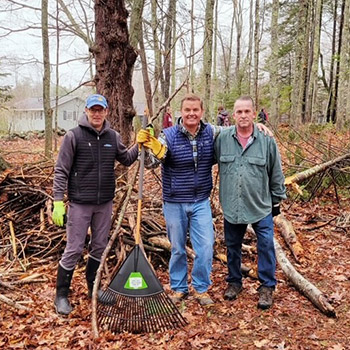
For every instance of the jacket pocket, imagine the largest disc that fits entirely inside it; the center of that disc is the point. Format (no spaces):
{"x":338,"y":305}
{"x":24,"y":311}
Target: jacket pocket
{"x":256,"y":166}
{"x":227,"y":164}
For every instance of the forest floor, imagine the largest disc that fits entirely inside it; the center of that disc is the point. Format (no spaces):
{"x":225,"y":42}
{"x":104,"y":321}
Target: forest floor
{"x":292,"y":323}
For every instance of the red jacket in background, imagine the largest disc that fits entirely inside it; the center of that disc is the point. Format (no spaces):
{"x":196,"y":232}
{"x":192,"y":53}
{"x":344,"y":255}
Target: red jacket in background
{"x":167,"y":120}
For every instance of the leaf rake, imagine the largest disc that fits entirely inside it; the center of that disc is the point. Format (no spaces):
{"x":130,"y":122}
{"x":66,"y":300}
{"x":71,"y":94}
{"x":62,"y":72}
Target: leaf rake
{"x":135,"y":300}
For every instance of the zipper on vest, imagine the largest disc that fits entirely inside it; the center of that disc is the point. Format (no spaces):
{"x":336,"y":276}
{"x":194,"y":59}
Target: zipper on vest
{"x":99,"y":170}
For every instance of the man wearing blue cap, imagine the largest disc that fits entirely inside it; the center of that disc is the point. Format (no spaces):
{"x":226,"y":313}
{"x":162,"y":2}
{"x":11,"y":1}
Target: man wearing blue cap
{"x":85,"y":167}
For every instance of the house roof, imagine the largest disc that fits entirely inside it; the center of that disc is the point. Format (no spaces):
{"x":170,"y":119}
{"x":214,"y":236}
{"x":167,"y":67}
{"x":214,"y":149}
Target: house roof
{"x":36,"y":103}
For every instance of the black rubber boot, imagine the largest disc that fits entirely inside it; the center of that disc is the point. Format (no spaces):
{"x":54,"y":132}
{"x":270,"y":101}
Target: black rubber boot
{"x":90,"y":273}
{"x":64,"y":278}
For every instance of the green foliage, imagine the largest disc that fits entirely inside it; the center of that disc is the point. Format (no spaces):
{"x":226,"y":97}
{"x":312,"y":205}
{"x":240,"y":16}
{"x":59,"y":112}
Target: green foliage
{"x":319,"y":128}
{"x":293,"y":136}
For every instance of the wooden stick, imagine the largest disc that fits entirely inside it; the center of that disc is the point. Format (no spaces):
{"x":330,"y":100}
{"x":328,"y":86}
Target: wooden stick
{"x":12,"y":303}
{"x":302,"y":284}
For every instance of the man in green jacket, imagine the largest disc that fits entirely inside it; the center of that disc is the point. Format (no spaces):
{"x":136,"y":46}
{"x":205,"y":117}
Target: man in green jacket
{"x":251,"y":188}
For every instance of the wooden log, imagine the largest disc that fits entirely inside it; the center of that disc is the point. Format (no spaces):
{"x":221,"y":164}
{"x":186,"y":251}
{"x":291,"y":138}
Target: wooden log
{"x":302,"y":284}
{"x":287,"y":232}
{"x":306,"y":174}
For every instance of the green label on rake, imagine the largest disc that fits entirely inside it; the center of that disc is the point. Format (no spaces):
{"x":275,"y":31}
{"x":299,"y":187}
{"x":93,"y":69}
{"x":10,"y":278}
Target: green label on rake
{"x":135,"y":281}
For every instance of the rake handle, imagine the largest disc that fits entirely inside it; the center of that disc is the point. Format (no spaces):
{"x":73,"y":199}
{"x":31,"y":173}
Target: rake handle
{"x":141,"y":172}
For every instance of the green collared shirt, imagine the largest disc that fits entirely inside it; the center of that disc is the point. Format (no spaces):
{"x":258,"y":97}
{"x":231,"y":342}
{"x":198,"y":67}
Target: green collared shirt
{"x":251,"y":179}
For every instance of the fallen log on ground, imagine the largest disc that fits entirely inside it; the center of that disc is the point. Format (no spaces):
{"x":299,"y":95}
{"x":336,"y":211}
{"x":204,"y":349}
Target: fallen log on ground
{"x":287,"y":232}
{"x":302,"y":284}
{"x":306,"y":174}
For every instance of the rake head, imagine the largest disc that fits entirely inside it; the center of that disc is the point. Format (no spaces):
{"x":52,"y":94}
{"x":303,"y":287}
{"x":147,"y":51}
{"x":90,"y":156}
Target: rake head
{"x":135,"y":300}
{"x":120,"y":313}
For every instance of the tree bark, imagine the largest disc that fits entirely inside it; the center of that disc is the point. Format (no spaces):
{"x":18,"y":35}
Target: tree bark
{"x":208,"y":55}
{"x":344,"y":72}
{"x":256,"y":53}
{"x":273,"y":64}
{"x":46,"y":78}
{"x":115,"y":59}
{"x":287,"y":232}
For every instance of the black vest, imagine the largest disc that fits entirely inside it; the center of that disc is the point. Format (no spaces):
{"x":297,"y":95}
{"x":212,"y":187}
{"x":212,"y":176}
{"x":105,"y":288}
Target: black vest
{"x":92,"y":179}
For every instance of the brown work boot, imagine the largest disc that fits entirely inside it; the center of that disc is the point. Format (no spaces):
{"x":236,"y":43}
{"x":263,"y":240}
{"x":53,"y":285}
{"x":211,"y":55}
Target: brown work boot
{"x":203,"y":298}
{"x":232,"y":291}
{"x":176,"y":297}
{"x":265,"y":297}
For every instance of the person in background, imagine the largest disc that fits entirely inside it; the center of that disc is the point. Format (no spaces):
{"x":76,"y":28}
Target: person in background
{"x":167,"y":118}
{"x":222,"y":118}
{"x":263,"y":116}
{"x":85,"y":167}
{"x":186,"y":152}
{"x":251,"y":188}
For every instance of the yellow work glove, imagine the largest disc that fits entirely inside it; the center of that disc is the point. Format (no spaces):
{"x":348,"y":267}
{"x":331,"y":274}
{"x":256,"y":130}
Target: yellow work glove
{"x":59,"y":212}
{"x":145,"y":138}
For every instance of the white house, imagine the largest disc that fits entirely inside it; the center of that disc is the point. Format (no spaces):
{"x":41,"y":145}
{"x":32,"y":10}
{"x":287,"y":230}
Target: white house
{"x":28,"y":114}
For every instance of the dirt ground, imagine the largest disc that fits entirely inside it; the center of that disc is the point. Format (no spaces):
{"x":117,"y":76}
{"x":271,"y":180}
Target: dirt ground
{"x":292,"y":323}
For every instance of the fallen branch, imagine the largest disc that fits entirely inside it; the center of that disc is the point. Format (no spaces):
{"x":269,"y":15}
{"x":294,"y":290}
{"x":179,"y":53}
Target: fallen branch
{"x":302,"y":284}
{"x":12,"y":303}
{"x":306,"y":174}
{"x":287,"y":232}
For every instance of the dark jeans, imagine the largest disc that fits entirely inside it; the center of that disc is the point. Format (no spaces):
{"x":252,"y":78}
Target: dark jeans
{"x":234,"y":234}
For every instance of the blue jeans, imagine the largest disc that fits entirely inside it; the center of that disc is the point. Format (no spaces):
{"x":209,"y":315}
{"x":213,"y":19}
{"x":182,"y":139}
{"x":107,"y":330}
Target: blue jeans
{"x":197,"y":219}
{"x":234,"y":234}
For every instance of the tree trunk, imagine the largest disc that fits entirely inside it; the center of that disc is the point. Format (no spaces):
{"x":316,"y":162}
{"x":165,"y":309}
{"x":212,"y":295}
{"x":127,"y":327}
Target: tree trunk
{"x":158,"y":75}
{"x":168,"y":43}
{"x":136,"y":41}
{"x":330,"y":104}
{"x":304,"y":72}
{"x":208,"y":55}
{"x":46,"y":79}
{"x":298,"y":66}
{"x":256,"y":53}
{"x":311,"y":108}
{"x":344,"y":72}
{"x":273,"y":64}
{"x":336,"y":83}
{"x":239,"y":28}
{"x":115,"y":59}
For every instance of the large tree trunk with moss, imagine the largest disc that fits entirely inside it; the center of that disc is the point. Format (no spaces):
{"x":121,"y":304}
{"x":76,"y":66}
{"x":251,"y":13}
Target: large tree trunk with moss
{"x":115,"y":59}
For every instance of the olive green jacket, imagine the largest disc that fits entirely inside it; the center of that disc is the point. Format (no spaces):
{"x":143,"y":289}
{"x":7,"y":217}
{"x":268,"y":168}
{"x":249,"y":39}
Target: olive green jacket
{"x":251,"y":180}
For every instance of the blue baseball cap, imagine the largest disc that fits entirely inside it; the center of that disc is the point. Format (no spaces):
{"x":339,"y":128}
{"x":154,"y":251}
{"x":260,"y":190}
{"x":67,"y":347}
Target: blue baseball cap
{"x":96,"y":99}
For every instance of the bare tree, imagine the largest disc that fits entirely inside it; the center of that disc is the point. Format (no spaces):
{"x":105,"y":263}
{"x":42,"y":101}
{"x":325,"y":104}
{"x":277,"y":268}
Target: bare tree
{"x":256,"y":52}
{"x":46,"y":79}
{"x":273,"y":64}
{"x":208,"y":54}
